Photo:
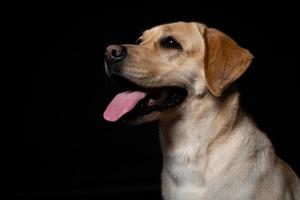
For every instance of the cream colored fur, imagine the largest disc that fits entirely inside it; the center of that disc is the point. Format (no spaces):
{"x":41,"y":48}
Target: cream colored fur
{"x":211,"y":149}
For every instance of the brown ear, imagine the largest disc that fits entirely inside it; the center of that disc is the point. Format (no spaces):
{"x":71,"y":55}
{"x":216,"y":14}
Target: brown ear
{"x":226,"y":61}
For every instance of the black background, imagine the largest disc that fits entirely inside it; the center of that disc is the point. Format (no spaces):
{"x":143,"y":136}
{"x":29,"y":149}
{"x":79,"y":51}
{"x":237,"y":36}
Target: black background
{"x":66,"y":149}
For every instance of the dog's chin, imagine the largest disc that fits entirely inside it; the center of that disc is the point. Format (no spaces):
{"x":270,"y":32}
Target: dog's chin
{"x":155,"y":103}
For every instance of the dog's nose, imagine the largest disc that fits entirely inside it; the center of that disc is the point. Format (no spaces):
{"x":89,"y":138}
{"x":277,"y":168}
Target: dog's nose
{"x":115,"y":53}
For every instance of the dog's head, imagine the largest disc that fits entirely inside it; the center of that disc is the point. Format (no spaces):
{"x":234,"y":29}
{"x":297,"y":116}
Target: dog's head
{"x":170,"y":64}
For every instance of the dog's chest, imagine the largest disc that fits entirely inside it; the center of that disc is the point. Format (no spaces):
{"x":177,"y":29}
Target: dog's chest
{"x":184,"y":167}
{"x":182,"y":178}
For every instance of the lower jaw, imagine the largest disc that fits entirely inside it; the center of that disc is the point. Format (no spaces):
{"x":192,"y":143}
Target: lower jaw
{"x":164,"y":114}
{"x":140,"y":119}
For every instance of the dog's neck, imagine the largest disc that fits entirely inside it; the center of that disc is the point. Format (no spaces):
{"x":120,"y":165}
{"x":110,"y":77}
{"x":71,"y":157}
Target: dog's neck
{"x":202,"y":121}
{"x":188,"y":138}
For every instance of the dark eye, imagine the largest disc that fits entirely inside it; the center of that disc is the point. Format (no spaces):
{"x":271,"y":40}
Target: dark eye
{"x":138,"y":41}
{"x":170,"y":43}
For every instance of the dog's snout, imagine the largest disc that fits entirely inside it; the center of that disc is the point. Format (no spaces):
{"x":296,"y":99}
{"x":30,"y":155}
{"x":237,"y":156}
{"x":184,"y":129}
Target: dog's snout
{"x":115,"y":53}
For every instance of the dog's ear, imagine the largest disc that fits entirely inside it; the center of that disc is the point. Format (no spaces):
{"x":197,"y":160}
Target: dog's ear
{"x":226,"y":61}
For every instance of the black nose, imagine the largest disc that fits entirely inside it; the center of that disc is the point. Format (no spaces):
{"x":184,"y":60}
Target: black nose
{"x":115,"y":53}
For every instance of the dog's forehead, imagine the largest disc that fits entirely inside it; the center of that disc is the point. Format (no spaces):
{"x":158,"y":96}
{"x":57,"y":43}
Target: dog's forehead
{"x":179,"y":29}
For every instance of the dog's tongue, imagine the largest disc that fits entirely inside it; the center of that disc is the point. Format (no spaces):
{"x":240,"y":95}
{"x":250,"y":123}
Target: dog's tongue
{"x":122,"y":104}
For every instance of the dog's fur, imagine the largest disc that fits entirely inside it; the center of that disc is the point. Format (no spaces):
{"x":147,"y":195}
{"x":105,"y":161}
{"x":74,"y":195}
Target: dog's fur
{"x":211,"y":148}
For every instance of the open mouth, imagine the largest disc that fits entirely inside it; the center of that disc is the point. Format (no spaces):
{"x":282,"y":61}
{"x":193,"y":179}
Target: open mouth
{"x":136,"y":101}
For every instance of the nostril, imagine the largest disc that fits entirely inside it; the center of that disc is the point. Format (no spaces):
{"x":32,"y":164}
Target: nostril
{"x":114,"y":53}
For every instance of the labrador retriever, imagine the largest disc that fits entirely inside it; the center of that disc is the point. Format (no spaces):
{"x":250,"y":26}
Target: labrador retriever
{"x":181,"y":74}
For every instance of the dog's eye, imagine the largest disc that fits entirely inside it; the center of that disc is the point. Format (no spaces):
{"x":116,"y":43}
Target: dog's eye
{"x":170,"y":43}
{"x":138,"y":41}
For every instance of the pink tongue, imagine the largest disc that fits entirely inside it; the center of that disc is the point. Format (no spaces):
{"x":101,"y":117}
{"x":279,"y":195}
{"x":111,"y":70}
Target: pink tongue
{"x":122,"y":104}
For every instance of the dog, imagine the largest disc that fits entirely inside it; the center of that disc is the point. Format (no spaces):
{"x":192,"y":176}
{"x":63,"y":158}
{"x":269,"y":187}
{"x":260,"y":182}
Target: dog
{"x":181,"y":74}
